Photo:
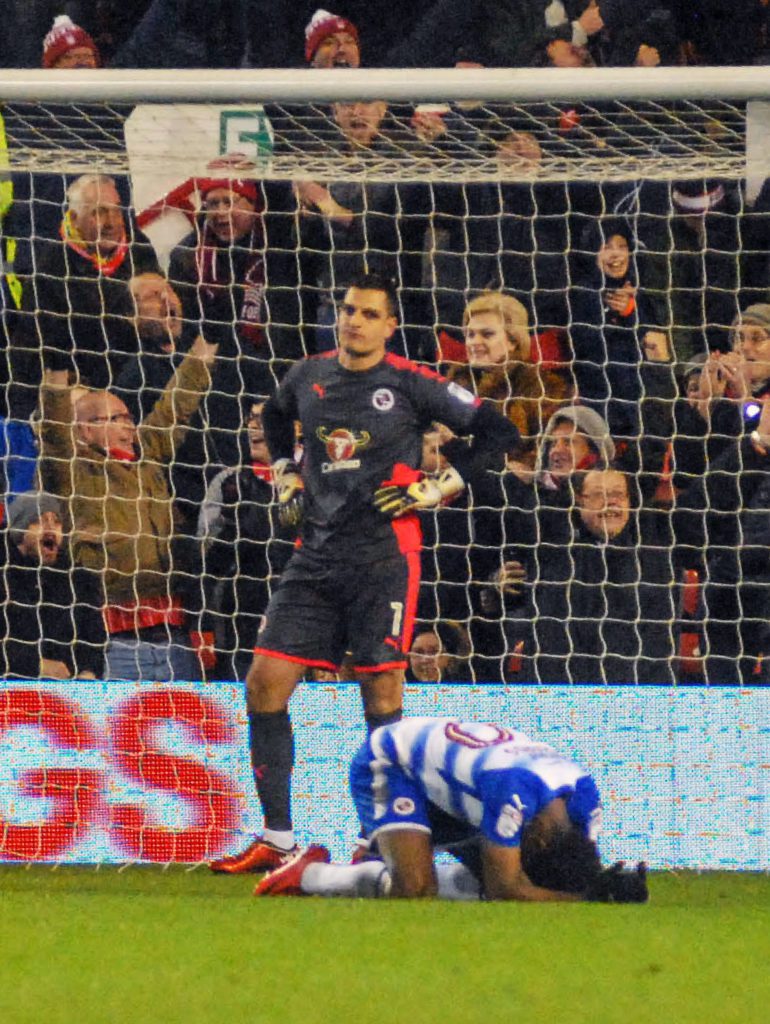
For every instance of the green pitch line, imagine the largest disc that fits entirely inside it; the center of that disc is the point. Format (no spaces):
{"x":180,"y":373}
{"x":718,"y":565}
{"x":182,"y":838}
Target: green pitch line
{"x":148,"y":946}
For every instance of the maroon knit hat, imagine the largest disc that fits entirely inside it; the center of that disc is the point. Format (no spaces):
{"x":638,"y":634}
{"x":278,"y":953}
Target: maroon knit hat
{"x":241,"y":186}
{"x":324,"y":24}
{"x":66,"y":35}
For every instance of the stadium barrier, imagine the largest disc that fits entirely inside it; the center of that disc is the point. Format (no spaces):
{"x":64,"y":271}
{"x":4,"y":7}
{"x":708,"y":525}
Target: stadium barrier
{"x":109,"y":772}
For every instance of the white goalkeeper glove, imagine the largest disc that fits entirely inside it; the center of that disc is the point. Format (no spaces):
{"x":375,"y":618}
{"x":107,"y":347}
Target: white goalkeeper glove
{"x":397,"y":500}
{"x":289,"y":488}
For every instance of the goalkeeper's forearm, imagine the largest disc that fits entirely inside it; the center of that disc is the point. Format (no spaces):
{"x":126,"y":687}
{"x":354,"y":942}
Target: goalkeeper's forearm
{"x":493,"y":436}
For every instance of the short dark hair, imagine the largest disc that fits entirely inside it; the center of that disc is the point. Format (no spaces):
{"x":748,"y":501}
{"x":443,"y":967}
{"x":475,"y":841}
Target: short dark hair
{"x":567,"y":862}
{"x":377,"y":283}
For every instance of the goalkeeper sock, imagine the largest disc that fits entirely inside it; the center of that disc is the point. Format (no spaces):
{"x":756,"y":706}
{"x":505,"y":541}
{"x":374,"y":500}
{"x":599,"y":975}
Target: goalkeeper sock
{"x":272,"y":757}
{"x":363,"y":880}
{"x":375,"y":721}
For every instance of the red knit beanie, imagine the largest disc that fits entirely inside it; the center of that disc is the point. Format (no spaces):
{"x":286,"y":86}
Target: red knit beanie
{"x":324,"y":24}
{"x":241,"y":186}
{"x":64,"y":36}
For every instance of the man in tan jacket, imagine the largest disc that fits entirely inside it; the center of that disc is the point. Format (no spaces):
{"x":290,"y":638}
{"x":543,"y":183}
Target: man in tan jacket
{"x":113,"y":475}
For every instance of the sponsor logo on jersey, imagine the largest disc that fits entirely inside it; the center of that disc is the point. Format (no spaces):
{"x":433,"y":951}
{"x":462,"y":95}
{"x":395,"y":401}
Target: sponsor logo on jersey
{"x":341,"y":447}
{"x":383,"y":399}
{"x":511,"y":819}
{"x":462,"y":393}
{"x":403,"y":805}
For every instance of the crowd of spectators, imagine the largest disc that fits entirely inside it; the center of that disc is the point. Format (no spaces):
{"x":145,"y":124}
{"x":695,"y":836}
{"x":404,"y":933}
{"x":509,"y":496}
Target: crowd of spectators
{"x":623,"y":326}
{"x":435,"y":33}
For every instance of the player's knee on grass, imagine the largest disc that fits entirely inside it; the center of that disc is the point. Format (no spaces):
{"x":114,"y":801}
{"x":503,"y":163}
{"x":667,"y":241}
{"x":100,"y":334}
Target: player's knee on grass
{"x":409,"y":859}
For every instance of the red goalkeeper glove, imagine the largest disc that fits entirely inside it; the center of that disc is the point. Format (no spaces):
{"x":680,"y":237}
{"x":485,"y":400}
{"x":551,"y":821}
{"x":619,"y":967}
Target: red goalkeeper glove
{"x":289,"y":488}
{"x":396,"y":500}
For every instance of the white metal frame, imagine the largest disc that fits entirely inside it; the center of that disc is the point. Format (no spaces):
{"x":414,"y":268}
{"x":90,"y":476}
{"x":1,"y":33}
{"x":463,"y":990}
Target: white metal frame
{"x":435,"y":85}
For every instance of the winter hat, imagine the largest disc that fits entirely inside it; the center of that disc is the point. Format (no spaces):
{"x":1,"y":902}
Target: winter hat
{"x":694,"y":365}
{"x":26,"y":509}
{"x":698,"y":196}
{"x":324,"y":24}
{"x":64,"y":36}
{"x":758,"y":314}
{"x":587,"y":422}
{"x":241,"y":186}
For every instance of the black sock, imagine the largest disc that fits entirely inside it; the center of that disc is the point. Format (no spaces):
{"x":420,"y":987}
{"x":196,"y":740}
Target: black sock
{"x":375,"y":721}
{"x":271,"y":741}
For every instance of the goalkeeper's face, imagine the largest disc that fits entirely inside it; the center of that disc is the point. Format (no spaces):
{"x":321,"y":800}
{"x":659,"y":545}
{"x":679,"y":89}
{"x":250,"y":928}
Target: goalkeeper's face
{"x":364,"y":325}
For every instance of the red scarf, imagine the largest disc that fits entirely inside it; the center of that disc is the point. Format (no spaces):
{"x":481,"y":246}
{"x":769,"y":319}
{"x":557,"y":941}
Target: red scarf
{"x":216,"y":267}
{"x":122,"y":454}
{"x":263,"y":472}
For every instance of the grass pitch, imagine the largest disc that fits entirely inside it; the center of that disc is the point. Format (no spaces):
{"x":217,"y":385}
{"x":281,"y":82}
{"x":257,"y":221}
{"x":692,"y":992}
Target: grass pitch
{"x":146,"y":945}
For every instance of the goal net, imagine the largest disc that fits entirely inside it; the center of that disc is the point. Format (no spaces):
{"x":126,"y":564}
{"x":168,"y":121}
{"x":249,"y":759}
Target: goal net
{"x":590,"y":259}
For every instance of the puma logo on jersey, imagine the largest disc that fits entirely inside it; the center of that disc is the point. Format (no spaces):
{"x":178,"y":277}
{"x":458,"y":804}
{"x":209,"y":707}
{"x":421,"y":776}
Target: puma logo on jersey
{"x":320,"y":390}
{"x":511,"y":819}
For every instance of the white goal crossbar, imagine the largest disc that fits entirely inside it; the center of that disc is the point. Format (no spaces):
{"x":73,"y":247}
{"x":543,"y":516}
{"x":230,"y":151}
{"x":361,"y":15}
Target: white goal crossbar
{"x":430,"y":85}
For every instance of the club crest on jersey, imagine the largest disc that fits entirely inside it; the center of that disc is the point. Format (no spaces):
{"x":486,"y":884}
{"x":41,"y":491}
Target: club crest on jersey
{"x":403,"y":805}
{"x":383,"y":399}
{"x":341,"y":447}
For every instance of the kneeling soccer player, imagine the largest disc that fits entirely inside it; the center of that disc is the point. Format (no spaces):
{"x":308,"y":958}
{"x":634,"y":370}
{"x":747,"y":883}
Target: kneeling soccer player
{"x":521,"y":818}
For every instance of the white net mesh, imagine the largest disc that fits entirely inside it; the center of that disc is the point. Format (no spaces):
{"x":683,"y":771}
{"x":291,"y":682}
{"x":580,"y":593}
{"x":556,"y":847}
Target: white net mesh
{"x":448,"y":200}
{"x":624,"y":233}
{"x":612,"y":139}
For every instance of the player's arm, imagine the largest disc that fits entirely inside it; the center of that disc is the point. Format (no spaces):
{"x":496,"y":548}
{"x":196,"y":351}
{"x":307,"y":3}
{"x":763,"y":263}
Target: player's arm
{"x":504,"y":877}
{"x":278,"y":417}
{"x":493,"y":435}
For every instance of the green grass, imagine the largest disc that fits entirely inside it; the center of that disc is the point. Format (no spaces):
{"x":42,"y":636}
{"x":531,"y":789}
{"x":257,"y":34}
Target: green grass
{"x":80,"y":945}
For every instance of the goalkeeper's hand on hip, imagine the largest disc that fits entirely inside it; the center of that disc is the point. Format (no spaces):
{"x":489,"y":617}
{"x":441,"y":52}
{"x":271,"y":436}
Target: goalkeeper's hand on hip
{"x":289,"y":489}
{"x":396,"y":500}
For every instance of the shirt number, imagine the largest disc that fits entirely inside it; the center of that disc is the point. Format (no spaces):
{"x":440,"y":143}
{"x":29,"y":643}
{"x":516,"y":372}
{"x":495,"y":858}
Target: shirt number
{"x":398,"y":614}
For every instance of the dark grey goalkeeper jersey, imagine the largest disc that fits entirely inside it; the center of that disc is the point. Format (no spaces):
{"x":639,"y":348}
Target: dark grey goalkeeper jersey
{"x":362,"y":429}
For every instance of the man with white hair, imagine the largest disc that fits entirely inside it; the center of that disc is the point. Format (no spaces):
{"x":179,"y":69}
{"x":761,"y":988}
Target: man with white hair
{"x":77,"y":312}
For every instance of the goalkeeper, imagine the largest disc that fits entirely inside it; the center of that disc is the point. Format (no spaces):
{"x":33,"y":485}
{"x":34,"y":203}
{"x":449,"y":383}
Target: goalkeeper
{"x":521,"y":818}
{"x":351,"y":586}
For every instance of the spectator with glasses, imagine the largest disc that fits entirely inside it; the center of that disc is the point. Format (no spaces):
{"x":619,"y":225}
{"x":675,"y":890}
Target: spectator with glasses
{"x":111,"y":473}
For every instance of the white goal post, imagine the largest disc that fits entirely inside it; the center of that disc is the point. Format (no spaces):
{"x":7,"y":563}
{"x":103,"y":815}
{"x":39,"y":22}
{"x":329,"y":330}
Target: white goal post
{"x":682,"y":768}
